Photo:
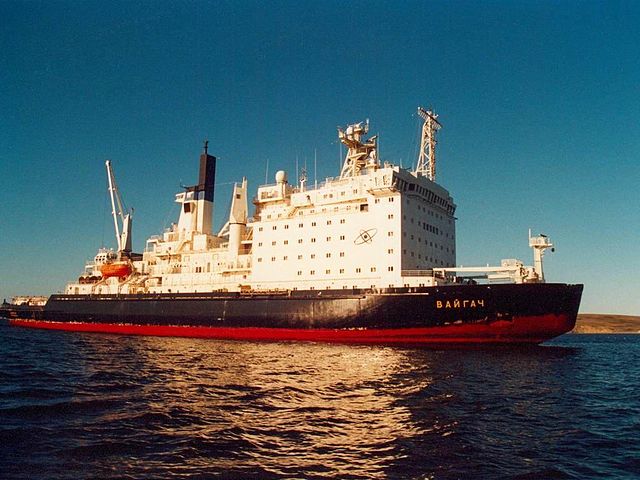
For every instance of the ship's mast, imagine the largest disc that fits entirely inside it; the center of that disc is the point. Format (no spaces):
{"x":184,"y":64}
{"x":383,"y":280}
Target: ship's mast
{"x":123,"y":236}
{"x":427,"y":158}
{"x":360,"y":154}
{"x":539,"y":244}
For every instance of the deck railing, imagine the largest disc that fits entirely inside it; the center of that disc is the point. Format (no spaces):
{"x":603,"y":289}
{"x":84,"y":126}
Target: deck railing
{"x":417,"y":273}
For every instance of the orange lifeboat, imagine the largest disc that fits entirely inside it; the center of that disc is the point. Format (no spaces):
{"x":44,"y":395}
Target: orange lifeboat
{"x":115,"y":269}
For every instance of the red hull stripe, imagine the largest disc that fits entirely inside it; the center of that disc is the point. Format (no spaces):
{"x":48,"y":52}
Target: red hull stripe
{"x":518,"y":330}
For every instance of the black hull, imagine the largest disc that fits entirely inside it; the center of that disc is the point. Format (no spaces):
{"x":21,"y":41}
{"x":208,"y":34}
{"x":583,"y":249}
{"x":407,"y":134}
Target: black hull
{"x":519,"y":311}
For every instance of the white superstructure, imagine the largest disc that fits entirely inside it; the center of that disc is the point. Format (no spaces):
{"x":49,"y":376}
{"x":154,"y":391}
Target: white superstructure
{"x":377,"y":225}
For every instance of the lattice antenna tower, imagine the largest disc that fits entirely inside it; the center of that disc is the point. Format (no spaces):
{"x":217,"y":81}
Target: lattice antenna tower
{"x":427,"y":159}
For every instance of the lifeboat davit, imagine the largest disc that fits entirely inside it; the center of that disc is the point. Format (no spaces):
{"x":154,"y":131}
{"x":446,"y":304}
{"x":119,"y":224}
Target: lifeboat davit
{"x":115,"y":269}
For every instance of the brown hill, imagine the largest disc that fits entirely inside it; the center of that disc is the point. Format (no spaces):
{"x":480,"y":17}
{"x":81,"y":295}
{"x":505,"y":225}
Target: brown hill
{"x":603,"y":323}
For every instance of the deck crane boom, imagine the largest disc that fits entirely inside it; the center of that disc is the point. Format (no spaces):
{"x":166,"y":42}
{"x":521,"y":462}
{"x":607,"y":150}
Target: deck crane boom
{"x":121,"y":220}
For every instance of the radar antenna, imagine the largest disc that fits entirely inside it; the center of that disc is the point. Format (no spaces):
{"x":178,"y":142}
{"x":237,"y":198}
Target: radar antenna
{"x":360,"y":154}
{"x":427,"y":158}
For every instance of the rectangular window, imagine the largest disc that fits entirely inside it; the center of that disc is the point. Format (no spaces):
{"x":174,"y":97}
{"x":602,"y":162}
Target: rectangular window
{"x":327,"y":271}
{"x":299,"y":257}
{"x":390,"y":269}
{"x":342,"y":254}
{"x":328,"y":255}
{"x":313,"y":255}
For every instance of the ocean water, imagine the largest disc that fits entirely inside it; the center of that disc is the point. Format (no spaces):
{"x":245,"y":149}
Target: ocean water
{"x":104,"y":406}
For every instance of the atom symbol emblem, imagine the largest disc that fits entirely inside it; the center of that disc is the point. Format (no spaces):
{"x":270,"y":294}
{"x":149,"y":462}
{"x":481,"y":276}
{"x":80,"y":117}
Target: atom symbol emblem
{"x":365,"y":236}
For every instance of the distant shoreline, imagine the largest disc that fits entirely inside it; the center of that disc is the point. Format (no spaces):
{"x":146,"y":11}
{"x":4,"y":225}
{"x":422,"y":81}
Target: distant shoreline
{"x":607,"y":323}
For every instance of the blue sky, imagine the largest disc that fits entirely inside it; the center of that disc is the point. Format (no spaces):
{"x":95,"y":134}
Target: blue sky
{"x":540,"y":104}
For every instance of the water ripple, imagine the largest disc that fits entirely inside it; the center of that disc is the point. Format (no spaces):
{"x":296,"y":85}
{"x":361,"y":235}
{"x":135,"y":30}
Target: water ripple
{"x":101,"y":406}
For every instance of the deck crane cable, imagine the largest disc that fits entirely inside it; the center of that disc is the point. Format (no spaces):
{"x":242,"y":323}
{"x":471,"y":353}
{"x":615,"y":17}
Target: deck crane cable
{"x":414,"y":147}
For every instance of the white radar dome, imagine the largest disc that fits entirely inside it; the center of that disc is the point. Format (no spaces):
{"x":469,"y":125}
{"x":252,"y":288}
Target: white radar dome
{"x":281,"y":176}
